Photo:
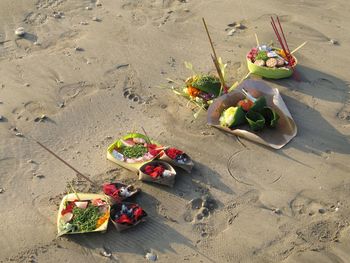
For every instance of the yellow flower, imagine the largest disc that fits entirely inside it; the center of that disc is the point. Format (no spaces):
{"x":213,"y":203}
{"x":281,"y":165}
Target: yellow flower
{"x":102,"y":219}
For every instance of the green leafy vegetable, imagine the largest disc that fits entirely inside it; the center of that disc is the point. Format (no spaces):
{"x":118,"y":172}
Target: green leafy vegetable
{"x":259,"y":104}
{"x":135,"y":151}
{"x":208,"y":84}
{"x":262,"y":55}
{"x":256,"y":120}
{"x":84,"y":220}
{"x":271,"y":117}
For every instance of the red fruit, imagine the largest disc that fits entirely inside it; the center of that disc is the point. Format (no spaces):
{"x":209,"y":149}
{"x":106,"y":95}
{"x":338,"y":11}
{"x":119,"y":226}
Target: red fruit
{"x":245,"y":104}
{"x":68,"y":209}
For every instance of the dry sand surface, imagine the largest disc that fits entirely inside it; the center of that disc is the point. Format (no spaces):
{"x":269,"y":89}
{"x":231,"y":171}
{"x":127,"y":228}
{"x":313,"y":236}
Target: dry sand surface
{"x":95,"y":73}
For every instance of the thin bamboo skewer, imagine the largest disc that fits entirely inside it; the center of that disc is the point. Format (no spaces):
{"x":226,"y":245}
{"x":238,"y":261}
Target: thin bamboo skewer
{"x":299,"y":47}
{"x":59,"y":158}
{"x":215,"y":58}
{"x":257,"y":40}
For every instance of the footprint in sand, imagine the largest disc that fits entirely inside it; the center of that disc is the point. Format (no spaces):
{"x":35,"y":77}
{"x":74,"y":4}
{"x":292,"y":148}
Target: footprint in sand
{"x":35,"y":19}
{"x":317,"y":233}
{"x":305,"y":206}
{"x":49,"y":3}
{"x":199,"y":208}
{"x":69,"y":92}
{"x":31,"y":110}
{"x":130,"y":95}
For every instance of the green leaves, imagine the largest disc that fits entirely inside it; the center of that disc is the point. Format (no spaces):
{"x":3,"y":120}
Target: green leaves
{"x":135,"y":151}
{"x":85,"y":220}
{"x":256,"y":120}
{"x":207,"y":83}
{"x":271,"y":117}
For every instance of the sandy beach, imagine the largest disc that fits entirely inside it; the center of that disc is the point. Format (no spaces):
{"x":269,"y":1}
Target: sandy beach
{"x":98,"y":70}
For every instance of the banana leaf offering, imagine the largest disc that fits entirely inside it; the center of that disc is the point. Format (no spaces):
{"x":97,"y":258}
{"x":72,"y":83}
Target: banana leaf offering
{"x":83,"y":213}
{"x":119,"y":191}
{"x":201,"y":89}
{"x":133,"y":150}
{"x":177,"y":158}
{"x":126,"y":215}
{"x":258,"y":114}
{"x":270,"y":62}
{"x":158,"y":172}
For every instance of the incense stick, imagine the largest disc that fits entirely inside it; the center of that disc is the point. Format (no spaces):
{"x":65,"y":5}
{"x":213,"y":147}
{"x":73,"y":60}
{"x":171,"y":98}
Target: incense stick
{"x":284,"y":38}
{"x":280,"y":40}
{"x":215,"y":58}
{"x":278,"y":36}
{"x":63,"y":161}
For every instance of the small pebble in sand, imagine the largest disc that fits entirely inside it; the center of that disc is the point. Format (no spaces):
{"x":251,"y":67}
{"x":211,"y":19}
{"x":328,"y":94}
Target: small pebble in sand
{"x":106,"y":254}
{"x":41,"y":118}
{"x":61,"y":104}
{"x":27,"y":84}
{"x":36,"y":43}
{"x":277,"y":211}
{"x":334,"y":41}
{"x":237,"y":25}
{"x":57,"y":15}
{"x":96,"y":19}
{"x":78,"y":49}
{"x":240,"y":26}
{"x":322,"y":210}
{"x":84,"y":23}
{"x":18,"y":134}
{"x":20,"y":32}
{"x":2,"y":190}
{"x":231,"y":32}
{"x":1,"y":118}
{"x":98,"y":3}
{"x":336,"y":209}
{"x":151,"y":256}
{"x":30,"y":161}
{"x":88,"y":8}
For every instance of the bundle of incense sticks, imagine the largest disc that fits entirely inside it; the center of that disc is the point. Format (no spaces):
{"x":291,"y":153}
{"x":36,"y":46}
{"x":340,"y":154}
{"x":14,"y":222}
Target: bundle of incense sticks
{"x":282,"y":40}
